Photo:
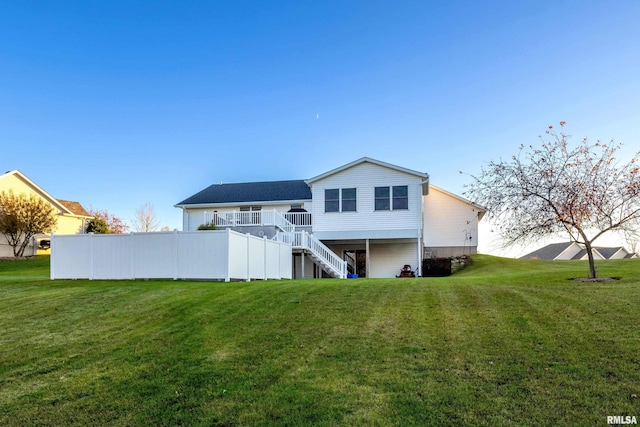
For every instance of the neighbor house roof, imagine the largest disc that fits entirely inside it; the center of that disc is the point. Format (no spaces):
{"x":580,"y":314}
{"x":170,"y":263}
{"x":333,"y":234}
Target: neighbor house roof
{"x":246,"y":192}
{"x":549,"y":252}
{"x":74,"y":207}
{"x":35,"y":187}
{"x":554,"y":250}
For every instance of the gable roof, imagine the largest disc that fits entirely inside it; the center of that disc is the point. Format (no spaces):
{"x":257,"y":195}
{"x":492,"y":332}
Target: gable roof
{"x":74,"y":207}
{"x":422,"y":175}
{"x":37,"y":189}
{"x":552,"y":251}
{"x":548,"y":252}
{"x":246,"y":192}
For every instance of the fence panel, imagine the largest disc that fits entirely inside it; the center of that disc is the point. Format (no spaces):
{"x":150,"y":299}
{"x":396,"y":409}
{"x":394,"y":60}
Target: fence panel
{"x":72,"y":257}
{"x":238,"y":247}
{"x":257,"y":268}
{"x":112,"y":256}
{"x":202,"y":255}
{"x":214,"y":255}
{"x":272,"y":259}
{"x":153,"y":255}
{"x":286,"y":261}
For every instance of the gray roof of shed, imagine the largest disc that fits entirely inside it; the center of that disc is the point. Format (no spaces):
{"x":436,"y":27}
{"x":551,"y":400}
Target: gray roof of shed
{"x":246,"y":192}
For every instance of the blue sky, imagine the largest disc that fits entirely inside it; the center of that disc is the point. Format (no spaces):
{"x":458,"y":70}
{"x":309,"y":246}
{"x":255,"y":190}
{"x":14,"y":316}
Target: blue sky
{"x":115,"y":104}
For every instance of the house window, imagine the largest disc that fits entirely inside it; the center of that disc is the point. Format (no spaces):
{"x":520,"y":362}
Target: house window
{"x":400,"y":197}
{"x":348,"y":200}
{"x":382,"y":199}
{"x":249,"y":215}
{"x":332,"y":200}
{"x":340,"y":200}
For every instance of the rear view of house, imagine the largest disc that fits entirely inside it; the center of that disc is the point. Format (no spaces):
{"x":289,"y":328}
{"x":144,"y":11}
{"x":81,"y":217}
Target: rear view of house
{"x":366,"y":217}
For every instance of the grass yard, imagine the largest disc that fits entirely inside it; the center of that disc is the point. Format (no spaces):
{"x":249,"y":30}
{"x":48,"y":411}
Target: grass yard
{"x":502,"y":343}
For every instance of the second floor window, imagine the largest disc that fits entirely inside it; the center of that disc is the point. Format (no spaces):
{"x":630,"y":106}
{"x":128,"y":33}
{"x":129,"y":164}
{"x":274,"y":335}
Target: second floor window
{"x":392,"y":198}
{"x":332,"y":200}
{"x":340,"y":200}
{"x":348,"y":200}
{"x":400,"y":197}
{"x":382,"y":199}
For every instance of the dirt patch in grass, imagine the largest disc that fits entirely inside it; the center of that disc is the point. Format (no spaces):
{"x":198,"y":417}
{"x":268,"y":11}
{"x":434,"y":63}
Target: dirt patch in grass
{"x":594,"y":279}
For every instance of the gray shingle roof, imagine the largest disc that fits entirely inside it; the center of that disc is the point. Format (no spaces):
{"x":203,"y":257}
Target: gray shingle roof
{"x":609,"y":252}
{"x":579,"y":255}
{"x":245,"y":192}
{"x":548,"y":252}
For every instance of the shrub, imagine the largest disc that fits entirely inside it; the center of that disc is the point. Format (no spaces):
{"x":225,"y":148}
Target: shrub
{"x":210,"y":226}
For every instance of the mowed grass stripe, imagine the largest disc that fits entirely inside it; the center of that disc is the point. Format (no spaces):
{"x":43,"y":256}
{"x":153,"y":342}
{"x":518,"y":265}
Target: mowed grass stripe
{"x":503,"y":342}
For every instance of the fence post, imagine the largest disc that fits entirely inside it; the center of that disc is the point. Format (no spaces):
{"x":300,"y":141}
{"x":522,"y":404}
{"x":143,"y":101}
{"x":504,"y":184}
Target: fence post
{"x":264,"y":241}
{"x":248,"y":257}
{"x":227,"y":273}
{"x":132,"y":261}
{"x":52,"y":259}
{"x":91,"y":256}
{"x":176,"y":253}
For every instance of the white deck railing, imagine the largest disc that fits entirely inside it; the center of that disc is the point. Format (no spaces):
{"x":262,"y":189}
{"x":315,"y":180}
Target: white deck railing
{"x":304,"y":240}
{"x":284,"y":221}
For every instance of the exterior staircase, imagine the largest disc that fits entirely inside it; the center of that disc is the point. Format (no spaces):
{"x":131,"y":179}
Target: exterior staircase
{"x":331,"y":263}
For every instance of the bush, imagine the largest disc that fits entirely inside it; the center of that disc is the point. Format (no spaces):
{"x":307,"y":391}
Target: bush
{"x":210,"y":226}
{"x":98,"y":226}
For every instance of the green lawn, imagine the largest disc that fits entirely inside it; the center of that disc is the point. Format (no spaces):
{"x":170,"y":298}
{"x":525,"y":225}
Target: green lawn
{"x":504,"y":342}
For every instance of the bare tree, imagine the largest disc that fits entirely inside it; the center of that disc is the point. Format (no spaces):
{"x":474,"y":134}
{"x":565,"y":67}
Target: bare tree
{"x":23,"y":217}
{"x":582,"y":191}
{"x":145,"y":219}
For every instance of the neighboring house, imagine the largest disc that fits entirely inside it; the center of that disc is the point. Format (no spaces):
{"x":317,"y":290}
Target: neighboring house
{"x":366,"y":217}
{"x":574,"y":251}
{"x":71,"y":216}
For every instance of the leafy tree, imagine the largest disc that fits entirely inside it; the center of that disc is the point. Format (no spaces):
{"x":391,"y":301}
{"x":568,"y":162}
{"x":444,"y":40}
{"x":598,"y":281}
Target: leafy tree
{"x":145,"y":219}
{"x":23,"y":217}
{"x":114,"y":224}
{"x":98,"y":225}
{"x":582,"y":191}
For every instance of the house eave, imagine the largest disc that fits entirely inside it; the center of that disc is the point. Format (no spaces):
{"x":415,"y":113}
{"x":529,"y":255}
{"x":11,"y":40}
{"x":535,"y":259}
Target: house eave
{"x":422,"y":175}
{"x":238,"y":204}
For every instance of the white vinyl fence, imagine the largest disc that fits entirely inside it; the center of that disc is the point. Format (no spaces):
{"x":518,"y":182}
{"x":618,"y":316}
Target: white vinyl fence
{"x":213,"y":255}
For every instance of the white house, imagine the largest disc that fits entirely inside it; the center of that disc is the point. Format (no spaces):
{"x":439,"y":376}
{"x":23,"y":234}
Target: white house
{"x":366,"y":217}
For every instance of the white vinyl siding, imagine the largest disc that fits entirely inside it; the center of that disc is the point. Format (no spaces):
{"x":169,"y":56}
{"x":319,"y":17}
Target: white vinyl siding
{"x":449,"y":221}
{"x":365,"y":177}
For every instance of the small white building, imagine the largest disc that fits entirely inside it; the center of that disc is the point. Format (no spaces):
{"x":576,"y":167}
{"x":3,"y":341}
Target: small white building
{"x":366,"y":217}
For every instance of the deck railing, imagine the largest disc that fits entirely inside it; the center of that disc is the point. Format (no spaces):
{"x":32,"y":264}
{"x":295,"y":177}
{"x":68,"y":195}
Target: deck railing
{"x":284,"y":221}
